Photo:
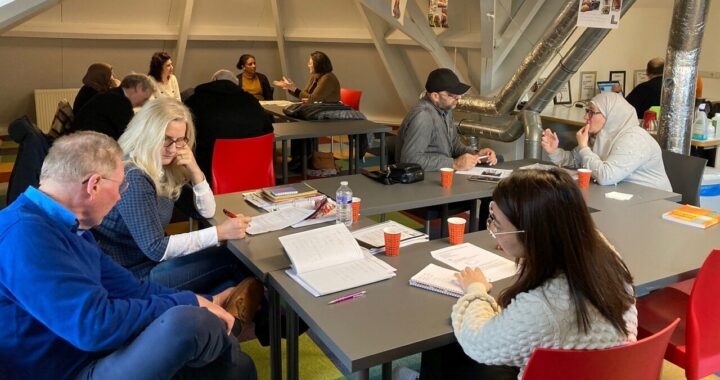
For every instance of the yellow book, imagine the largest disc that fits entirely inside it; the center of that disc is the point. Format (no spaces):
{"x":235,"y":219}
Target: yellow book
{"x":693,"y":216}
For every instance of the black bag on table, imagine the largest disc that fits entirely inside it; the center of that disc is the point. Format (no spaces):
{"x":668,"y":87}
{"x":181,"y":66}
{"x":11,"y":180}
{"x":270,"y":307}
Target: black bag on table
{"x":398,"y":173}
{"x":323,"y":111}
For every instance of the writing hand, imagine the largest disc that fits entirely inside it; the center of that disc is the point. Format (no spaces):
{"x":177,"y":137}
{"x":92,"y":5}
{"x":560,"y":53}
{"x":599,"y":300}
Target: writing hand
{"x":233,"y":228}
{"x":465,"y":161}
{"x":491,"y":158}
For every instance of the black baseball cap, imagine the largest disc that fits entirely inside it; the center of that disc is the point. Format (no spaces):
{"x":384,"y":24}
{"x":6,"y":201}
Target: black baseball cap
{"x":445,"y":80}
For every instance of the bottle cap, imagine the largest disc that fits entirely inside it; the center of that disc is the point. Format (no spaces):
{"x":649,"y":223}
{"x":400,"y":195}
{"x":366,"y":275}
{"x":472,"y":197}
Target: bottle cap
{"x":343,"y":183}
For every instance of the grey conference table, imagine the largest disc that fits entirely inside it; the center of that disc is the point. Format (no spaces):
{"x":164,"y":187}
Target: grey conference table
{"x":395,"y":320}
{"x":302,"y":129}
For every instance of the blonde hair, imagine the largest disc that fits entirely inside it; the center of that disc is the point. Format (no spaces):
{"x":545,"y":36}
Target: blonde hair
{"x":74,"y":157}
{"x":143,"y":140}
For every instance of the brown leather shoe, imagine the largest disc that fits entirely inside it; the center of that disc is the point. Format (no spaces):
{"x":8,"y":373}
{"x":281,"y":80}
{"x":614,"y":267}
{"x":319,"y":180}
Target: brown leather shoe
{"x":244,"y":301}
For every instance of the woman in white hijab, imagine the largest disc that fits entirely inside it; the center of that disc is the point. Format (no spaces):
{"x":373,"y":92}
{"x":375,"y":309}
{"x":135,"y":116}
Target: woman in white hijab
{"x":612,"y":145}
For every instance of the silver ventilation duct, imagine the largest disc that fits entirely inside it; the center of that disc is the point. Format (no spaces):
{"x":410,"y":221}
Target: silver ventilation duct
{"x":678,"y":92}
{"x":509,"y":128}
{"x":537,"y":58}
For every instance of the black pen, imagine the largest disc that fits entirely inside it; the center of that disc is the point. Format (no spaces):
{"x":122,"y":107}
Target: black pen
{"x":322,"y":204}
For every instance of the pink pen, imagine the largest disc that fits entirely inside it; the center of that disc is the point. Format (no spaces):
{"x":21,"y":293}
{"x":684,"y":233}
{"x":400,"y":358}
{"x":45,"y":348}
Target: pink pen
{"x":347,"y":297}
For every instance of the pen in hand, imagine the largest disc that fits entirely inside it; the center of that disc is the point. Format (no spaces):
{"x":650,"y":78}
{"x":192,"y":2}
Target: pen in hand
{"x":347,"y":297}
{"x":229,"y":214}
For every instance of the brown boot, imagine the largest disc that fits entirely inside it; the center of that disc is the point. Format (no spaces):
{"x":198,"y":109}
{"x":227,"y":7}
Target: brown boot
{"x":245,"y":299}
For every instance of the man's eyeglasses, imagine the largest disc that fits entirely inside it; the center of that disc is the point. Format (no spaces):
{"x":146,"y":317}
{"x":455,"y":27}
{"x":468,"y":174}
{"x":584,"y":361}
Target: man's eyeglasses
{"x":179,"y":142}
{"x":121,"y":189}
{"x":492,"y":229}
{"x":591,"y":113}
{"x":449,"y":95}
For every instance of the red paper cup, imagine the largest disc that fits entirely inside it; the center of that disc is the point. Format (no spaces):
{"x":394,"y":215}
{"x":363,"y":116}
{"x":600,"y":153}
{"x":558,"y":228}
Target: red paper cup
{"x":446,"y":177}
{"x":356,"y":209}
{"x":392,"y":241}
{"x":584,"y":178}
{"x":456,"y":229}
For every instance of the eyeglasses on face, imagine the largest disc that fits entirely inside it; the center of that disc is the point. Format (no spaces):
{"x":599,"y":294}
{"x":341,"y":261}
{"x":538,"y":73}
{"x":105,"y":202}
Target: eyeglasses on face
{"x":179,"y":142}
{"x":492,"y":228}
{"x":591,"y":113}
{"x":121,"y":189}
{"x":449,"y":95}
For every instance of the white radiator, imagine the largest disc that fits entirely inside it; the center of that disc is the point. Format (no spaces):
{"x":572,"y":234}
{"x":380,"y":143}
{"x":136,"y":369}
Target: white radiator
{"x":46,"y":102}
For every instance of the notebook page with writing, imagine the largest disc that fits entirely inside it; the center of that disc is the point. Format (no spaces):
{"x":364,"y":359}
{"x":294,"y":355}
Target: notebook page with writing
{"x":346,"y":276}
{"x":464,"y":255}
{"x":437,"y":279}
{"x":375,"y":237}
{"x":321,"y":247}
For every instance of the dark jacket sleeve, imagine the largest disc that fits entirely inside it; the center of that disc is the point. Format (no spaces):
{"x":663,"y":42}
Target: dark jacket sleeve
{"x":267,"y":89}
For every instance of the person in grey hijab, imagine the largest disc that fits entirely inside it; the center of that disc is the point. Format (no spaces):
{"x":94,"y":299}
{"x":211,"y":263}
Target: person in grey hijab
{"x":612,"y":145}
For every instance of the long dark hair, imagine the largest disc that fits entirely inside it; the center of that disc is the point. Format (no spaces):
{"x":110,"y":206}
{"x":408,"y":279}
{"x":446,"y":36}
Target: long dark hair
{"x":560,"y":238}
{"x":156,"y":65}
{"x":321,"y":63}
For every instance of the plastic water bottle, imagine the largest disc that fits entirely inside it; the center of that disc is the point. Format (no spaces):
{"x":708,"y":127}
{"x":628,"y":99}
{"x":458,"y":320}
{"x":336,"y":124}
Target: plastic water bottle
{"x":700,"y":126}
{"x":343,"y":197}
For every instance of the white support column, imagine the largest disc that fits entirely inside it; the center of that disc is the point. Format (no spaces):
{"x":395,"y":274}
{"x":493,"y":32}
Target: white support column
{"x":487,"y":45}
{"x":280,"y":38}
{"x":405,"y":83}
{"x":182,"y":39}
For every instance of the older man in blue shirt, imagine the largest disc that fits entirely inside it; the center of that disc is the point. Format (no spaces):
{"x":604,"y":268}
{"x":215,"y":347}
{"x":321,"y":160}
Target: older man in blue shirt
{"x":69,"y":311}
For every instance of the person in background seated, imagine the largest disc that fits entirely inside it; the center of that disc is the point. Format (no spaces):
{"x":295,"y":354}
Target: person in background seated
{"x":110,"y":112}
{"x":161,"y":69}
{"x":252,"y":81}
{"x":427,"y":135}
{"x":223,"y":110}
{"x":647,"y":94}
{"x":323,"y":86}
{"x":573,"y":290}
{"x":158,"y":162}
{"x":612,"y":145}
{"x":69,"y":312}
{"x":98,"y":80}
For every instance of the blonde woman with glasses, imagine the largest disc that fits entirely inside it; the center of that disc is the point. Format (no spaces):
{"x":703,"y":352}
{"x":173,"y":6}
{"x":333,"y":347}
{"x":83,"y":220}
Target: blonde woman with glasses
{"x":159,"y":162}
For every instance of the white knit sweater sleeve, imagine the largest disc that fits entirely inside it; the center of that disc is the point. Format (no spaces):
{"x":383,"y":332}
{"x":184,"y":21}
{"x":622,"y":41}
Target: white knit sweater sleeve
{"x":506,"y":338}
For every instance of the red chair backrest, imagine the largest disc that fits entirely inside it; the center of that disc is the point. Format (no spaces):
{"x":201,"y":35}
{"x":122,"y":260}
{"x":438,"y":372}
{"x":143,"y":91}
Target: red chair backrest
{"x":641,"y":360}
{"x":703,"y":350}
{"x":351,"y":98}
{"x":243,"y":164}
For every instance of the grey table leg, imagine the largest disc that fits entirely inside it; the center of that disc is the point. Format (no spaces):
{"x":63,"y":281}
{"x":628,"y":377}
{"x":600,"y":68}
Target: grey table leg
{"x":275,"y":344}
{"x":304,"y":158}
{"x":387,"y":371}
{"x":362,"y":375}
{"x":357,"y":152}
{"x":474,"y":211}
{"x":351,"y":152}
{"x":383,"y":152}
{"x":284,"y":162}
{"x":443,"y":221}
{"x":292,"y":344}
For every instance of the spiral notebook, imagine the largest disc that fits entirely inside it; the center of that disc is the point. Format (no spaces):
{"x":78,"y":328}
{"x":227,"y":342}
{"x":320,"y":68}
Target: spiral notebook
{"x":437,"y":279}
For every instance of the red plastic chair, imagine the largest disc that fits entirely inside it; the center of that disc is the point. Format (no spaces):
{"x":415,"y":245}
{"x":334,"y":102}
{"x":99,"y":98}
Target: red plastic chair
{"x":641,"y":360}
{"x":698,"y":353}
{"x":243,"y":164}
{"x":352,"y":99}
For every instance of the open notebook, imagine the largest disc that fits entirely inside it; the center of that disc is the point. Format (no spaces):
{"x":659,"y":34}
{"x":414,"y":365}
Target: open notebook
{"x":328,"y":260}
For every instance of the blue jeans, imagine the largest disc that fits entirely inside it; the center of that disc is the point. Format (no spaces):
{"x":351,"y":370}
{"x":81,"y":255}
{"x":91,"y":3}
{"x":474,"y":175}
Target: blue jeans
{"x":185,"y":342}
{"x":209,"y":271}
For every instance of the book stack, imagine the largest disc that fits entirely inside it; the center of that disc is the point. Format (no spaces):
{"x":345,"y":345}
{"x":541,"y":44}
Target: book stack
{"x":289,"y":192}
{"x":693,"y":216}
{"x":373,"y":237}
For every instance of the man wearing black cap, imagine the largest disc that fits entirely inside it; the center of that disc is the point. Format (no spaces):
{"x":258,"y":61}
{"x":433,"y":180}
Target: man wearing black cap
{"x":427,"y":136}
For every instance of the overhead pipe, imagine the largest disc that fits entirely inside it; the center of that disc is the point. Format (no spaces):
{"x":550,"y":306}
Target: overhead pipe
{"x":528,"y":121}
{"x":504,"y":102}
{"x":677,"y":100}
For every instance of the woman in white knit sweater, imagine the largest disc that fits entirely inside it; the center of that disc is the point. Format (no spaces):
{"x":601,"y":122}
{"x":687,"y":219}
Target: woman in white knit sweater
{"x":573,"y":290}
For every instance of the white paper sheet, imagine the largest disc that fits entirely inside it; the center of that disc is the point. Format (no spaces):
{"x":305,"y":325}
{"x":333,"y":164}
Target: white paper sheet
{"x":375,"y":237}
{"x":321,"y":247}
{"x":618,"y":195}
{"x":277,"y":220}
{"x":469,"y":255}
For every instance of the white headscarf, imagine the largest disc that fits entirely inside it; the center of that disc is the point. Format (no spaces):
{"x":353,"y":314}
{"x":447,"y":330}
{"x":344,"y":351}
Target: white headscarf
{"x":620,"y":118}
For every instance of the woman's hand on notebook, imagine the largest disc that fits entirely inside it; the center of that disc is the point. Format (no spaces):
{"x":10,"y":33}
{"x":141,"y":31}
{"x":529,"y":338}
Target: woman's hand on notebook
{"x":469,"y":276}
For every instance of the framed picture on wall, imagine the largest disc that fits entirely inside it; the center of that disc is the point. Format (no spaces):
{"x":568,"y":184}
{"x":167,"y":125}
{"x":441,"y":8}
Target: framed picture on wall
{"x":587,"y":85}
{"x":639,"y":76}
{"x":563,"y":94}
{"x":618,"y":76}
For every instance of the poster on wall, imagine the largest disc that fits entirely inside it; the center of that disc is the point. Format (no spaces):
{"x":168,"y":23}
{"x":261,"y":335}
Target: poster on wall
{"x":397,"y":9}
{"x":599,"y":13}
{"x":640,"y":76}
{"x":618,"y":76}
{"x":437,"y":13}
{"x":587,"y":85}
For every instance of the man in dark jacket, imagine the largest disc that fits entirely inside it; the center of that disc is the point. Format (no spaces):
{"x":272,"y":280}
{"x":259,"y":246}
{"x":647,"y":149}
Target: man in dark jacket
{"x":647,"y":94}
{"x":110,"y":112}
{"x":222,"y":110}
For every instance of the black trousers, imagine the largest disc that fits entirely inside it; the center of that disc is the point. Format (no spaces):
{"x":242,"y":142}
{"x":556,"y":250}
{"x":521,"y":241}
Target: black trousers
{"x":450,"y":362}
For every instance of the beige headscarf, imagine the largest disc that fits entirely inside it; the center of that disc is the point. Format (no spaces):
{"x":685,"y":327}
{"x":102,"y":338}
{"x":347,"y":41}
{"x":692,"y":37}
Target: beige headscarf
{"x":620,"y":118}
{"x":99,"y":76}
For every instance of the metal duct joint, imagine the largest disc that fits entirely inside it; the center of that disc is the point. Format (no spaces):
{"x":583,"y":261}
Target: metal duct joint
{"x":544,"y":50}
{"x":680,"y":74}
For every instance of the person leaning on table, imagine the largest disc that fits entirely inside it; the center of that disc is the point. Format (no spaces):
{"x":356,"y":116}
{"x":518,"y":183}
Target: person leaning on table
{"x":573,"y":290}
{"x":613,"y":145}
{"x":68,"y":311}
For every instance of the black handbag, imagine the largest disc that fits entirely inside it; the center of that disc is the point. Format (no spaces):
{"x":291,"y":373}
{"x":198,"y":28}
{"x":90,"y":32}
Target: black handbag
{"x":397,"y":173}
{"x":322,"y":111}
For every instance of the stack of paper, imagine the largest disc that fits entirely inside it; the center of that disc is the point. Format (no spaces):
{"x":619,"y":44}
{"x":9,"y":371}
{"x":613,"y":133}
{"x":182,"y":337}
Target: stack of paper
{"x":328,"y":260}
{"x":469,"y":255}
{"x":693,"y":216}
{"x":373,"y":237}
{"x":291,"y":213}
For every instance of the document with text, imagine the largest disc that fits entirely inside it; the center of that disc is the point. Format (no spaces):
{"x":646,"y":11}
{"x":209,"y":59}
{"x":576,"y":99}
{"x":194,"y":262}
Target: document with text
{"x":464,"y":255}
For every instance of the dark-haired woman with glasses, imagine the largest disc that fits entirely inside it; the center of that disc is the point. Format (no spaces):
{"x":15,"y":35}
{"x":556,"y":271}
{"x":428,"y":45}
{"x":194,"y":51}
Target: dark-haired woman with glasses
{"x":159,"y":162}
{"x":612,"y":145}
{"x":573,"y":290}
